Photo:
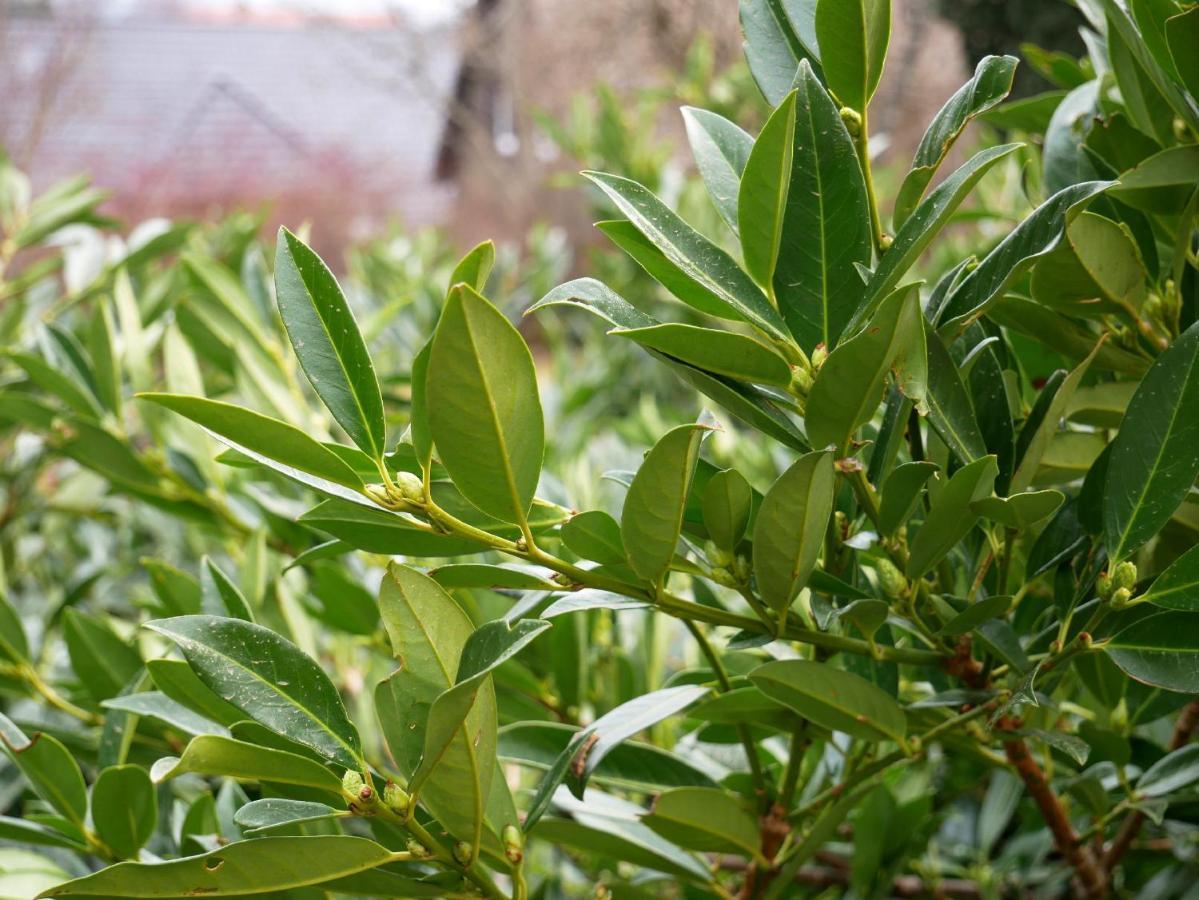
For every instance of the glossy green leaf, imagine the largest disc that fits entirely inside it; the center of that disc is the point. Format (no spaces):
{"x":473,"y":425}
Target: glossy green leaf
{"x":160,"y":707}
{"x":833,"y":698}
{"x":124,"y":809}
{"x":706,"y":819}
{"x":50,"y":769}
{"x":269,"y":679}
{"x":475,"y":267}
{"x":853,"y":37}
{"x":789,"y":530}
{"x":1098,"y":261}
{"x":245,"y":867}
{"x":1155,"y":456}
{"x":849,"y":386}
{"x":950,"y":407}
{"x":778,"y":34}
{"x":498,"y":577}
{"x":720,"y":149}
{"x":1163,"y":182}
{"x":990,"y":84}
{"x":220,"y":596}
{"x":103,"y":661}
{"x":762,"y":200}
{"x":1037,"y":235}
{"x":975,"y":614}
{"x":652,"y":518}
{"x":1176,"y":770}
{"x":275,"y":812}
{"x":826,"y":223}
{"x":328,"y":343}
{"x":727,"y":502}
{"x":695,"y":255}
{"x":901,"y":492}
{"x":951,"y":516}
{"x":484,"y":408}
{"x":1161,"y":650}
{"x":723,"y":352}
{"x":1178,"y":586}
{"x":589,"y":746}
{"x":1020,"y":511}
{"x":264,"y":437}
{"x":214,"y":755}
{"x":595,"y":535}
{"x":921,"y":226}
{"x":175,"y":678}
{"x":428,"y":631}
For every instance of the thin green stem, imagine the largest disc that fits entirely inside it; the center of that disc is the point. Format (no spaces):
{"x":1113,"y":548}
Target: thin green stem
{"x":862,"y":144}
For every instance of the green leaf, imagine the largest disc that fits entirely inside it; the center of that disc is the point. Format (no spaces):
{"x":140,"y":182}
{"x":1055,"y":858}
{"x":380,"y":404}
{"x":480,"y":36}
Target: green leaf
{"x":103,"y":662}
{"x":951,"y":516}
{"x":588,"y":748}
{"x":428,"y":631}
{"x":595,"y":535}
{"x":1020,"y":511}
{"x":950,"y":407}
{"x":245,"y":867}
{"x":14,"y":645}
{"x":220,"y":596}
{"x":1031,"y":239}
{"x":849,"y":386}
{"x":695,"y":255}
{"x":901,"y":492}
{"x":214,"y":755}
{"x":269,"y":679}
{"x":762,"y":200}
{"x":497,"y":577}
{"x":833,"y":698}
{"x":1182,"y":37}
{"x":727,"y":502}
{"x":377,"y":530}
{"x":652,"y":518}
{"x":50,"y":769}
{"x":124,"y":809}
{"x":720,"y":149}
{"x":707,"y":819}
{"x":853,"y":37}
{"x":1098,"y":261}
{"x":175,"y":678}
{"x":1155,"y":457}
{"x":1160,"y":650}
{"x":633,"y":764}
{"x":623,"y":837}
{"x":778,"y":34}
{"x":105,"y":360}
{"x":826,"y":223}
{"x":1178,"y":586}
{"x":921,"y":226}
{"x":976,"y":614}
{"x":328,"y":343}
{"x":723,"y":352}
{"x":158,"y":706}
{"x":475,"y":267}
{"x":263,"y":438}
{"x":56,"y":382}
{"x":990,"y":84}
{"x":789,"y":530}
{"x":1176,"y":770}
{"x":484,"y":409}
{"x":274,"y":812}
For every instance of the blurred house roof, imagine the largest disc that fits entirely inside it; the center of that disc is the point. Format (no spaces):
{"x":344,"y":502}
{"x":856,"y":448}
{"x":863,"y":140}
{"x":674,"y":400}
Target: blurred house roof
{"x":179,"y":103}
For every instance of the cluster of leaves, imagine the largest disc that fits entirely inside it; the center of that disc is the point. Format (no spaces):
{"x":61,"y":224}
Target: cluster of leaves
{"x":956,"y":623}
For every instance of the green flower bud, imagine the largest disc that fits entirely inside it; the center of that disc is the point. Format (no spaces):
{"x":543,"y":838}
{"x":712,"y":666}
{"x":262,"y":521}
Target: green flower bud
{"x":395,"y":799}
{"x":819,"y":355}
{"x":410,"y":486}
{"x":890,"y":579}
{"x":884,"y":242}
{"x":513,"y":844}
{"x":1125,"y":576}
{"x":1104,"y":586}
{"x":418,"y":850}
{"x":1120,"y":597}
{"x":853,"y":121}
{"x":463,"y":853}
{"x":741,"y":569}
{"x":352,"y":783}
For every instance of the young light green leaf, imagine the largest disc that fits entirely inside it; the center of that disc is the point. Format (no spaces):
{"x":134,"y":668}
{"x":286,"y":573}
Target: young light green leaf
{"x":990,"y":84}
{"x":853,"y":37}
{"x":789,"y":530}
{"x":262,"y":437}
{"x":269,"y":679}
{"x":214,"y":755}
{"x":720,"y":149}
{"x":328,"y":343}
{"x":711,"y":820}
{"x":951,"y":516}
{"x":1155,"y":457}
{"x":124,"y":809}
{"x":484,"y":408}
{"x":762,"y":200}
{"x":244,"y":867}
{"x":652,"y":518}
{"x":475,"y":267}
{"x":832,"y":698}
{"x":826,"y":223}
{"x":723,"y":352}
{"x":849,"y":386}
{"x":695,"y":255}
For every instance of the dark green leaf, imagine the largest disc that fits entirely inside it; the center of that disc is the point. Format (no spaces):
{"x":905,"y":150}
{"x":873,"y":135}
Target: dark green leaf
{"x":853,"y":37}
{"x":124,"y":809}
{"x":951,"y":516}
{"x":720,"y":149}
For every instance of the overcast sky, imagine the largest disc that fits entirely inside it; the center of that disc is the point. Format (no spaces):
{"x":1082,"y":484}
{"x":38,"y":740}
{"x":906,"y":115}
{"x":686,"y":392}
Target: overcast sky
{"x":429,"y":12}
